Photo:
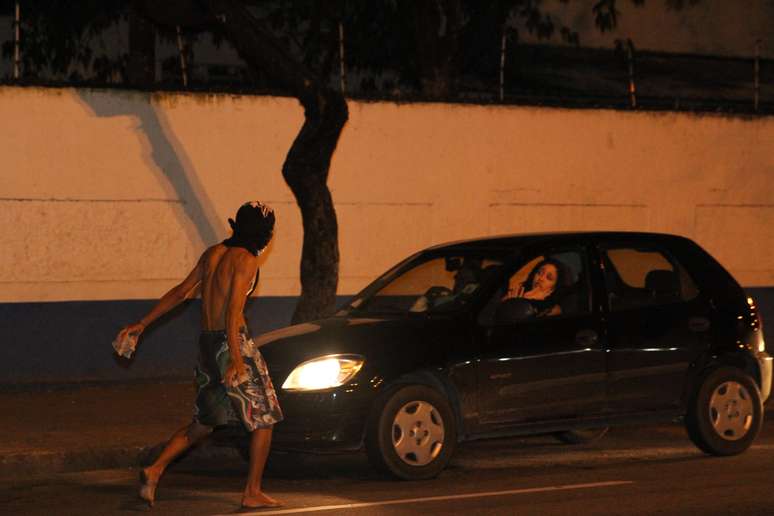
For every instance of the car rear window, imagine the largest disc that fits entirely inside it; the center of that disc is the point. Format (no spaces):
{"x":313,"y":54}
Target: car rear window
{"x":637,"y":277}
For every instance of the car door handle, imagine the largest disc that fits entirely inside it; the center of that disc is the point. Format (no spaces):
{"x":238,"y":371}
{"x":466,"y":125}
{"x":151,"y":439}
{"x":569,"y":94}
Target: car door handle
{"x":586,"y":338}
{"x":698,"y":324}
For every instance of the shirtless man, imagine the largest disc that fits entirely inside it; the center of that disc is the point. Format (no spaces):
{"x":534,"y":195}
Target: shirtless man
{"x":231,"y":376}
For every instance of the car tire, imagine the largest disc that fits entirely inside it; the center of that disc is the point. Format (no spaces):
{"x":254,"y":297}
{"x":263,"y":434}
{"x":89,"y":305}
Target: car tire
{"x":725,"y":415}
{"x":411,"y":433}
{"x":584,"y":436}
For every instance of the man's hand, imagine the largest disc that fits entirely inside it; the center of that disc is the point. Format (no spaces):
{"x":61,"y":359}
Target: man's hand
{"x":126,"y":340}
{"x":133,"y":329}
{"x":235,"y":374}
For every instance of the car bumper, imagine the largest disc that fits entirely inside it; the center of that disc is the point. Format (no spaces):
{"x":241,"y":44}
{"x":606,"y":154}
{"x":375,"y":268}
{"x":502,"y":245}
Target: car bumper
{"x":765,"y":368}
{"x":320,"y":422}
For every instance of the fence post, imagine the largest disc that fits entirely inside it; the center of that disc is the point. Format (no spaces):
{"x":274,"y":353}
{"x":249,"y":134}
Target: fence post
{"x":632,"y":85}
{"x":342,"y":68}
{"x":17,"y":42}
{"x":757,"y":72}
{"x":181,"y":51}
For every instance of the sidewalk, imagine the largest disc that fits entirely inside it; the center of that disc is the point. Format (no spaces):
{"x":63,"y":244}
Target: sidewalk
{"x":78,"y":428}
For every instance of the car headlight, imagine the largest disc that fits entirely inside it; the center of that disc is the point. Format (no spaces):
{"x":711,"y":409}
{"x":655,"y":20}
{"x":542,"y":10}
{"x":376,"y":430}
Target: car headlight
{"x":323,"y":373}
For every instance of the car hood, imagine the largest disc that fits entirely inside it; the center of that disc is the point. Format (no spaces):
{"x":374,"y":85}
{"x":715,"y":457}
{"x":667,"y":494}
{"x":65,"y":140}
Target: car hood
{"x":410,"y":338}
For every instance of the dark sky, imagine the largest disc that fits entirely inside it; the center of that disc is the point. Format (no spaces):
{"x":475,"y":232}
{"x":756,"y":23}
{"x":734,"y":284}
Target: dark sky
{"x":715,"y":27}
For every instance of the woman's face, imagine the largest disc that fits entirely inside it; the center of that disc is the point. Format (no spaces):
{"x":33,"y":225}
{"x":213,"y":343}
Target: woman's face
{"x":545,"y":278}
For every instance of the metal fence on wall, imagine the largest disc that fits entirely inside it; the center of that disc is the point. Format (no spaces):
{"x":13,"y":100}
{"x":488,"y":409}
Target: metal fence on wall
{"x":620,"y":78}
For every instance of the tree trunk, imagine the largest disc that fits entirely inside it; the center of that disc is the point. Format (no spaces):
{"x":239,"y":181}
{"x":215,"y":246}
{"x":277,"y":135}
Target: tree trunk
{"x":306,"y":172}
{"x":307,"y":163}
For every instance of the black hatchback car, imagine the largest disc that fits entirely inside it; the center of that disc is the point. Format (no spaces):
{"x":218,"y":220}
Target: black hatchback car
{"x":566,"y":333}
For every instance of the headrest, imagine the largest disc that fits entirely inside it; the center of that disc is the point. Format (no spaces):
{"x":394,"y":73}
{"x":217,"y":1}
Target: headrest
{"x":662,"y":282}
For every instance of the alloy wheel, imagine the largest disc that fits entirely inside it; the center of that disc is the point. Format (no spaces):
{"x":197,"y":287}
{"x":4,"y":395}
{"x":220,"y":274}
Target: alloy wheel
{"x":417,"y":433}
{"x":731,"y":410}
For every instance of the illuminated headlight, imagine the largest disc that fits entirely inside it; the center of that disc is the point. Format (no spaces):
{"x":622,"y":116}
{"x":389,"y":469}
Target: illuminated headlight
{"x":323,"y":373}
{"x":759,"y":342}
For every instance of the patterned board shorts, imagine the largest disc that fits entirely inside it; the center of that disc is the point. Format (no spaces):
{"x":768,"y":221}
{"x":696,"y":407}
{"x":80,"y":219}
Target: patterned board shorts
{"x":253,"y":402}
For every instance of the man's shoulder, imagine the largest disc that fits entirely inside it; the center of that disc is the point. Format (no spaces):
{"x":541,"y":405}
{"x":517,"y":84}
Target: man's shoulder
{"x":219,"y":247}
{"x":239,"y":257}
{"x":220,"y":252}
{"x":212,"y":252}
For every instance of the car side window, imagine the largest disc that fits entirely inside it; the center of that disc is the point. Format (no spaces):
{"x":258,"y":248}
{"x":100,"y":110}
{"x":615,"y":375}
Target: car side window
{"x":636,"y":276}
{"x":440,"y":284}
{"x":543,"y":286}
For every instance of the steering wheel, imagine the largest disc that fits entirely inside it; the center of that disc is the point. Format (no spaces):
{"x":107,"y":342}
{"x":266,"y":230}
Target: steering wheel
{"x":433,"y":297}
{"x":436,"y":294}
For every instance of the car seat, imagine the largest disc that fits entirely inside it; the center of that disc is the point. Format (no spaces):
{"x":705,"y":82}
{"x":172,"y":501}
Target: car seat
{"x":662,"y":284}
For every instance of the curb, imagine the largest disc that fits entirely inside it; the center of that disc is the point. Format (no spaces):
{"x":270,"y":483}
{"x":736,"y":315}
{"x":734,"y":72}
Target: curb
{"x":36,"y":463}
{"x":42,"y":462}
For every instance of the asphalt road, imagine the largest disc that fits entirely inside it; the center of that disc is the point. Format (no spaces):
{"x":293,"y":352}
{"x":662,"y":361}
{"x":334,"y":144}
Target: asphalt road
{"x":646,"y":470}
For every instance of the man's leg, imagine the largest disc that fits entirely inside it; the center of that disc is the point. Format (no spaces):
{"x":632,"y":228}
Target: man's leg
{"x":260,"y":442}
{"x":177,"y":444}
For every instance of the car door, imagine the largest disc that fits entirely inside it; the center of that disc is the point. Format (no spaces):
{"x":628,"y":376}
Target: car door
{"x":658,"y":323}
{"x":543,"y":368}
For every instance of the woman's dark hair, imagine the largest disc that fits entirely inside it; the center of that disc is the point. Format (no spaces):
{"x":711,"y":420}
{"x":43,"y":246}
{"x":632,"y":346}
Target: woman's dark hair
{"x":253,"y":228}
{"x":561,"y":276}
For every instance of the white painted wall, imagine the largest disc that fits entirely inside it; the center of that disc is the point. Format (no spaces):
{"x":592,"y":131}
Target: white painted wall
{"x":112,"y":195}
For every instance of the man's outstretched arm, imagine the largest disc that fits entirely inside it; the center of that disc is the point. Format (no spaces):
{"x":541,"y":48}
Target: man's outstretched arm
{"x":171,"y":299}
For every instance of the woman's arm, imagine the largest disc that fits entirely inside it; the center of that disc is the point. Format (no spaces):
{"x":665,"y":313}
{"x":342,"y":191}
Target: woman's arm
{"x":554,"y":310}
{"x":514,"y":290}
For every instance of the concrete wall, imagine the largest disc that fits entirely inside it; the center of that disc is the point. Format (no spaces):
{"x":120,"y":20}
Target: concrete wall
{"x":111,"y":196}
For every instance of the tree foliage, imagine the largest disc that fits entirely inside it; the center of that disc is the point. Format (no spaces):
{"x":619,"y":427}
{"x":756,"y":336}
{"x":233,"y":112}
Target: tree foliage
{"x":68,"y":39}
{"x":402,"y":47}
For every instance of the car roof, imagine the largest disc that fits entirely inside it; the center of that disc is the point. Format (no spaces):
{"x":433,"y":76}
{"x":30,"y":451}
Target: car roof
{"x":524,"y":239}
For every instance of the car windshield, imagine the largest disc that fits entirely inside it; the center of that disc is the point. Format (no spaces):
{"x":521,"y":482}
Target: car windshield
{"x":427,"y":284}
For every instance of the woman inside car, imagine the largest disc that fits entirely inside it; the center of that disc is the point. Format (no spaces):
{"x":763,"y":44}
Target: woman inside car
{"x":541,"y":288}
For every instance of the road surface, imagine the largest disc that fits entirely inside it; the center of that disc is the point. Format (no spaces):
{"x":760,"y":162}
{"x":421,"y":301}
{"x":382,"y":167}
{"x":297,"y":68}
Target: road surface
{"x":645,"y":470}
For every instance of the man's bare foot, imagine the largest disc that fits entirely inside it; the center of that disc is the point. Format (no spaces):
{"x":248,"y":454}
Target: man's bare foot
{"x":149,"y":479}
{"x":258,"y":500}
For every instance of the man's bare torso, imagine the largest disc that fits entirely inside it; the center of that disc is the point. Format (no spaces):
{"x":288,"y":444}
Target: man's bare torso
{"x":220,"y":265}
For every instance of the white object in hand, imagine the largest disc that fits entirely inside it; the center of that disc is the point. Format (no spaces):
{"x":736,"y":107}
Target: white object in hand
{"x":125,"y":347}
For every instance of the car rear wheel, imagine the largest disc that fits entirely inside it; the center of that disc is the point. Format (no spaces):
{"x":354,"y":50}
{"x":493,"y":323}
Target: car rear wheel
{"x":726,"y":413}
{"x":585,"y":436}
{"x":411,"y":433}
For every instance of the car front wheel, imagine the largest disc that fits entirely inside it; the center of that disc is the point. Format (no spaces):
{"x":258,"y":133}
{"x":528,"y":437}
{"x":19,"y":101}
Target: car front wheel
{"x":411,"y":433}
{"x":726,"y":413}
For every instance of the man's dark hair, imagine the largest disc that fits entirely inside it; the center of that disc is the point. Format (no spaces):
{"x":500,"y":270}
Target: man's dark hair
{"x":253,"y":228}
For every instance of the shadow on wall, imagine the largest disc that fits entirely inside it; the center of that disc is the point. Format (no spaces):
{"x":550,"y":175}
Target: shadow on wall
{"x":164,"y":153}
